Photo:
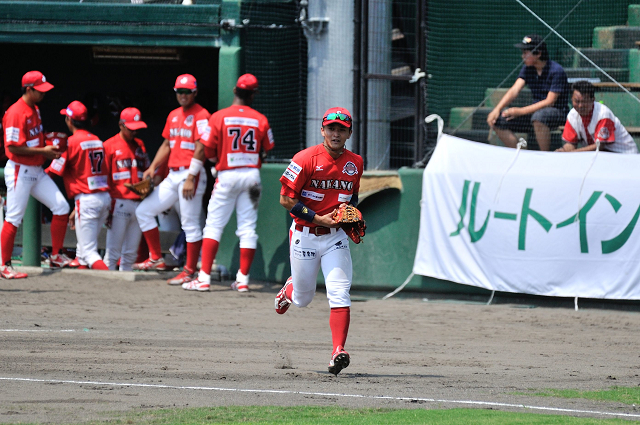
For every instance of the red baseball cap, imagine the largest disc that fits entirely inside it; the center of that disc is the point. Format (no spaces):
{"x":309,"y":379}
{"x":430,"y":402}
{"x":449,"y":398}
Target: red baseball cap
{"x":247,"y":82}
{"x":36,"y":80}
{"x":76,"y":111}
{"x":130,"y":117}
{"x":186,"y":81}
{"x":337,"y":115}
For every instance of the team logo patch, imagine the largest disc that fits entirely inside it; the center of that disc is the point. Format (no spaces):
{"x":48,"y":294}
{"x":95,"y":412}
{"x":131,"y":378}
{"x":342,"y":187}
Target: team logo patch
{"x":189,"y":121}
{"x":603,"y":134}
{"x":350,"y":169}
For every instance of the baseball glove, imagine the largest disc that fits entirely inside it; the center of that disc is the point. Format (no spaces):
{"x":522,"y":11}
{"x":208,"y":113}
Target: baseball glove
{"x":350,"y":220}
{"x":143,"y":188}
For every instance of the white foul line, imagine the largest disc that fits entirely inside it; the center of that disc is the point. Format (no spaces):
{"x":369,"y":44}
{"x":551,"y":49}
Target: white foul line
{"x":37,"y":330}
{"x":372,"y":397}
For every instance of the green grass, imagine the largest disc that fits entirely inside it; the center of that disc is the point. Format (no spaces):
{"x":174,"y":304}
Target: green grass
{"x":619,"y":394}
{"x":341,"y":416}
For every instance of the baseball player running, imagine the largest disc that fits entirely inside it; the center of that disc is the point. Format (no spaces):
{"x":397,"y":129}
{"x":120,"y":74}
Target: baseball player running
{"x":237,"y":136}
{"x":24,"y":176}
{"x":317,"y":181}
{"x":127,"y":159}
{"x":185,"y":183}
{"x":85,"y":174}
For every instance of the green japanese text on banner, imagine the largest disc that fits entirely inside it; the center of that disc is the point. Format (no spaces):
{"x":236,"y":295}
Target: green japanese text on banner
{"x":545,"y":223}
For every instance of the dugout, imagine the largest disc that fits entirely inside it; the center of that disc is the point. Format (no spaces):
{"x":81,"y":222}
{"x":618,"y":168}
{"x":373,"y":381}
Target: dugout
{"x":111,"y":55}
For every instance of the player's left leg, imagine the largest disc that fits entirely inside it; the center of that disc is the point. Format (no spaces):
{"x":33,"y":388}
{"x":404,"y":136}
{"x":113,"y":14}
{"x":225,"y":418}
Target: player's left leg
{"x":132,"y":238}
{"x":219,"y":210}
{"x":190,"y":210}
{"x":91,"y":213}
{"x":337,"y":269}
{"x":46,"y":191}
{"x":247,"y":217}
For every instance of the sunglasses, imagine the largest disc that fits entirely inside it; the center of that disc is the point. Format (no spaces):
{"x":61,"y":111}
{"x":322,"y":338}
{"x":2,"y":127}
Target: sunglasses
{"x":338,"y":116}
{"x":184,"y":91}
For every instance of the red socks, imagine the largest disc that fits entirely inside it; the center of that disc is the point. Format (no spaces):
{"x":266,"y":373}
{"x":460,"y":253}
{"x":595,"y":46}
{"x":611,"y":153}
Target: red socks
{"x":153,"y":240}
{"x":209,"y":251}
{"x":339,"y":319}
{"x":193,"y":252}
{"x":246,"y":258}
{"x":7,"y":239}
{"x":143,"y":251}
{"x":58,"y":230}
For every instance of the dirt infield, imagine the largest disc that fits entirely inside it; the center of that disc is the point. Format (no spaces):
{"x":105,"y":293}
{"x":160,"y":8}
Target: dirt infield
{"x":77,"y":347}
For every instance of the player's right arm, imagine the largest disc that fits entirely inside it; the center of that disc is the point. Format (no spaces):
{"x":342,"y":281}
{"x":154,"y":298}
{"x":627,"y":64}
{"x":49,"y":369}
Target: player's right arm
{"x":295,"y":207}
{"x":160,"y":158}
{"x":49,"y":152}
{"x":506,"y":100}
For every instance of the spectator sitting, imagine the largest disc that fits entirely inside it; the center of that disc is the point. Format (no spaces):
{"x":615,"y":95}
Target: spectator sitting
{"x":590,"y":122}
{"x":549,"y":89}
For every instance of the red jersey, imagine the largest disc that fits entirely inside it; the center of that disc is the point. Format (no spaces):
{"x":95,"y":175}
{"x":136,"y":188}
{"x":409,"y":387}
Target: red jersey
{"x":321,"y":182}
{"x":183,"y":129}
{"x":127,"y":162}
{"x":22,"y":126}
{"x":236,"y":135}
{"x":82,"y":166}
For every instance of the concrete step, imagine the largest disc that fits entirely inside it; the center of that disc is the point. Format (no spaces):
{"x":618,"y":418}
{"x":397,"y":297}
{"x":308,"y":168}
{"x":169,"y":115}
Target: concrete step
{"x":619,"y":74}
{"x":460,"y":117}
{"x":494,"y":95}
{"x":617,"y":37}
{"x":604,"y":58}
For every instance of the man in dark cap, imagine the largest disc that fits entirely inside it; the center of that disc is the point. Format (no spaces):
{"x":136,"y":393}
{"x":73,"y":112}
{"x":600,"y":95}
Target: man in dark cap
{"x":550,"y":91}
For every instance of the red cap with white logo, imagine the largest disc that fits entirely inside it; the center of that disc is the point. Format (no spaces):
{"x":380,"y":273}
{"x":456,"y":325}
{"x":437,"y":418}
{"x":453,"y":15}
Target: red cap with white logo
{"x":337,"y":115}
{"x":76,"y":111}
{"x":131,"y":118}
{"x":37,"y":81}
{"x":186,"y":81}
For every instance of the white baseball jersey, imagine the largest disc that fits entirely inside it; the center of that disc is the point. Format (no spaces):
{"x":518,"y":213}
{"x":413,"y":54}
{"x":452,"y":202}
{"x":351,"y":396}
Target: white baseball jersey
{"x":604,"y":127}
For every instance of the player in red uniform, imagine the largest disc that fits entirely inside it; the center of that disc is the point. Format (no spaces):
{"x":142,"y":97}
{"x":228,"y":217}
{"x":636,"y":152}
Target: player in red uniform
{"x":85,"y":173}
{"x":185,"y":183}
{"x":24,"y":176}
{"x":317,"y":181}
{"x":237,"y":136}
{"x":127,"y":158}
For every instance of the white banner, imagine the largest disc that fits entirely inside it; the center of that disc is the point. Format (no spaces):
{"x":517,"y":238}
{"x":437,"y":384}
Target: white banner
{"x":545,"y":223}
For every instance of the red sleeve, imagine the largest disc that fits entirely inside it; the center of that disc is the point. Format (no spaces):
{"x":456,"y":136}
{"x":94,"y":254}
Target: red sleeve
{"x":12,"y":126}
{"x":605,"y":131}
{"x":268,"y":143}
{"x":569,"y":134}
{"x":295,"y":176}
{"x":58,"y":166}
{"x":166,"y":132}
{"x":210,"y":136}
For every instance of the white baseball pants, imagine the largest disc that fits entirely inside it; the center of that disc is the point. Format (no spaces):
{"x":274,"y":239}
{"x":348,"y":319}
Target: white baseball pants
{"x":168,"y":193}
{"x":123,"y":238}
{"x":233,"y":189}
{"x":308,"y":253}
{"x":92,"y":210}
{"x":24,"y":180}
